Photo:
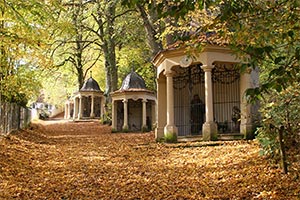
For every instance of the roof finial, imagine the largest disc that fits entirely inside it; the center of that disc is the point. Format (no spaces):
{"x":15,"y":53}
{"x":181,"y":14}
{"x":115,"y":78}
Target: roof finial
{"x":91,"y":73}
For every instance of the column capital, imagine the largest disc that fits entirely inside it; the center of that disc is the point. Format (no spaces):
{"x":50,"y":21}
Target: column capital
{"x":169,"y":73}
{"x":248,"y":70}
{"x":207,"y":68}
{"x":125,"y":100}
{"x":144,"y":100}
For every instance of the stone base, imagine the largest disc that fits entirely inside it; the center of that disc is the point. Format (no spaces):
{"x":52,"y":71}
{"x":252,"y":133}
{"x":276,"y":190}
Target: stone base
{"x":247,"y":131}
{"x":159,"y":133}
{"x":209,"y":131}
{"x":144,"y":128}
{"x":170,"y":133}
{"x":125,"y":128}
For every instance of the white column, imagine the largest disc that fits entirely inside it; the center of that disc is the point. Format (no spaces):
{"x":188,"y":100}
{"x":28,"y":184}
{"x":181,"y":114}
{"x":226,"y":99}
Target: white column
{"x":92,"y":114}
{"x":154,"y":113}
{"x":114,"y":115}
{"x":125,"y":124}
{"x":102,"y":104}
{"x":246,"y":118}
{"x":170,"y":130}
{"x":209,"y":128}
{"x":66,"y":111}
{"x":160,"y":110}
{"x":144,"y":124}
{"x":75,"y":113}
{"x":80,"y":108}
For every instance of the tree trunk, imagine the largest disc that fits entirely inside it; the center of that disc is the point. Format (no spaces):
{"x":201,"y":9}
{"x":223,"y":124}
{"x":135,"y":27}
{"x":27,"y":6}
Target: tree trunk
{"x":110,"y":17}
{"x":111,"y":69}
{"x":153,"y":41}
{"x":80,"y":77}
{"x":105,"y":20}
{"x":282,"y":151}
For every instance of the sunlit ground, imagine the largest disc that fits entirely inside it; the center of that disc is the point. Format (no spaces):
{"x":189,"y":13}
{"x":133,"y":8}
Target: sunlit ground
{"x":77,"y":160}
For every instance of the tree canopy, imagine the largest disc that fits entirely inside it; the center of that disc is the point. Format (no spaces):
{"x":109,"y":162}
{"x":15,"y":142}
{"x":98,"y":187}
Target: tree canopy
{"x":23,"y":40}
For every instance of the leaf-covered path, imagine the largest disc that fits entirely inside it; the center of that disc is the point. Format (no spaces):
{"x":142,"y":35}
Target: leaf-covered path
{"x":85,"y":161}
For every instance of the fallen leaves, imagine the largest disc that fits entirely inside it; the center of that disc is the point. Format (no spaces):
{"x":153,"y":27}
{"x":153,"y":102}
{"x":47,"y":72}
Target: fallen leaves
{"x":85,"y":160}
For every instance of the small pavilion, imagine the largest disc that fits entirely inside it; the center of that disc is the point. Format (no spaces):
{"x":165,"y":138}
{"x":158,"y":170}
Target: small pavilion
{"x":203,"y":94}
{"x":87,"y":103}
{"x":133,"y":105}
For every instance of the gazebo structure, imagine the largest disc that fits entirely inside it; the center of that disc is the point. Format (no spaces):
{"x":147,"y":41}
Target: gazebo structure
{"x":133,"y":105}
{"x":87,"y":103}
{"x":202,"y":94}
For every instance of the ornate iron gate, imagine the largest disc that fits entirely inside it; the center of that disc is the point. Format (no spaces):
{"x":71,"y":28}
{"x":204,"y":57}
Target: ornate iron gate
{"x":226,"y":97}
{"x":189,"y":98}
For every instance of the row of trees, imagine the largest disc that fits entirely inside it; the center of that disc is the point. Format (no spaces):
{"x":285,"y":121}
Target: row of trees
{"x":56,"y":43}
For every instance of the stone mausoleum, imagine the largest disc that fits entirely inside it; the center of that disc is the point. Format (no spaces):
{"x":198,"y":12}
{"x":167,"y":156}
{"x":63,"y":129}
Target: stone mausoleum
{"x":133,"y":105}
{"x":202,"y":94}
{"x":87,"y":103}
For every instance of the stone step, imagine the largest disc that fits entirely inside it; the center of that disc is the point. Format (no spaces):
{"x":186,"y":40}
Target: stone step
{"x":231,"y":136}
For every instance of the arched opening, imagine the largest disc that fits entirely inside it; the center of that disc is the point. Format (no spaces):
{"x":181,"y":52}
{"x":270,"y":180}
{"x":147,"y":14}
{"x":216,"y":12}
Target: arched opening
{"x":189,"y":99}
{"x":226,"y":97}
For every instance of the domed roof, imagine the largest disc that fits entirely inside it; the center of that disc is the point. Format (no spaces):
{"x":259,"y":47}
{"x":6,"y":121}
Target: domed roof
{"x":133,"y":81}
{"x":90,"y":85}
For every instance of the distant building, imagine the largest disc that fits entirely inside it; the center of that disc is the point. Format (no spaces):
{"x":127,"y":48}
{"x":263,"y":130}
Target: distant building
{"x":133,"y":105}
{"x":41,"y":109}
{"x":87,"y":103}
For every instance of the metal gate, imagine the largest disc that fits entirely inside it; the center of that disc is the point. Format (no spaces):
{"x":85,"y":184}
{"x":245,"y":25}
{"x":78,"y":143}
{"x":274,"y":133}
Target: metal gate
{"x":226,"y":97}
{"x":189,"y":98}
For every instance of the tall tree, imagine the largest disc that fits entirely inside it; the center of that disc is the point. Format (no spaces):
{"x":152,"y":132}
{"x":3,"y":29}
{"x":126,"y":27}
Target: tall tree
{"x":74,"y":44}
{"x":113,"y":34}
{"x":105,"y":20}
{"x":150,"y":19}
{"x":23,"y":37}
{"x":155,"y":22}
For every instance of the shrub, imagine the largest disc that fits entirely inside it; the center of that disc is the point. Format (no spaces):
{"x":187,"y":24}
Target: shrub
{"x":281,"y":110}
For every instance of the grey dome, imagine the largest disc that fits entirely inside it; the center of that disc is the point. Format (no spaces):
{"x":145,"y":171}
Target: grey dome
{"x":133,"y":81}
{"x":90,"y":85}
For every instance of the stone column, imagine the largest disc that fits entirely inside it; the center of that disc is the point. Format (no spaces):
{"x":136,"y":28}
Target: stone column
{"x":80,"y":108}
{"x":75,"y":113}
{"x":102,"y":107}
{"x":161,"y":112}
{"x":144,"y":115}
{"x":69,"y":110}
{"x":66,"y":111}
{"x":209,"y":128}
{"x":114,"y":115}
{"x":153,"y":114}
{"x":246,"y":119}
{"x":125,"y":124}
{"x":170,"y":130}
{"x":92,"y":114}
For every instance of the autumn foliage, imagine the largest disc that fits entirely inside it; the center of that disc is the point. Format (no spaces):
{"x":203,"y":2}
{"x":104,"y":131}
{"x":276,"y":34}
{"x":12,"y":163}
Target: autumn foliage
{"x":84,"y":160}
